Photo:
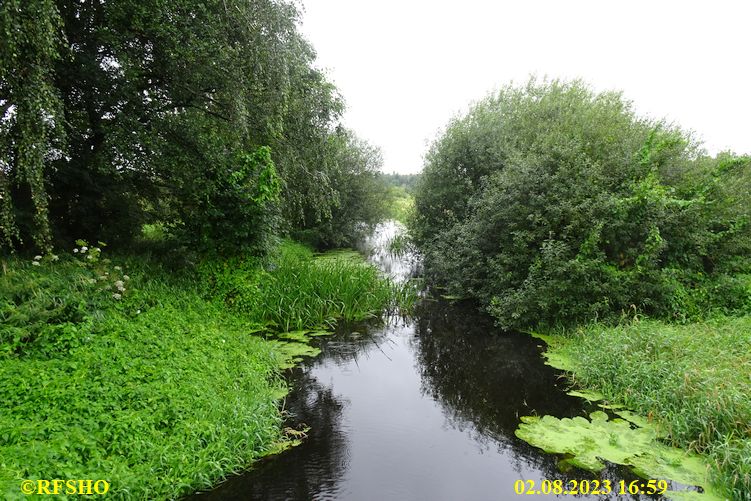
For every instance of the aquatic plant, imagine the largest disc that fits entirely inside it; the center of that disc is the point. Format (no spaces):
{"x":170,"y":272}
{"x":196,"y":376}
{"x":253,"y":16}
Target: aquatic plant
{"x":586,"y":443}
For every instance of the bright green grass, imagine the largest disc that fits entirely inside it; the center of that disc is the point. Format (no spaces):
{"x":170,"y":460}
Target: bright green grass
{"x":169,"y":387}
{"x":401,"y":205}
{"x":694,"y":379}
{"x":303,"y":291}
{"x":159,"y":404}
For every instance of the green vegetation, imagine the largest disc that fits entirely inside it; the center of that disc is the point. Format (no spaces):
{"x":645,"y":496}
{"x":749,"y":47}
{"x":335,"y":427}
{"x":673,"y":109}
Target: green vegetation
{"x":401,"y":204}
{"x":160,"y":382}
{"x":587,"y":442}
{"x":400,"y":195}
{"x":196,"y":138}
{"x":184,"y":114}
{"x":692,"y":379}
{"x":552,"y":204}
{"x":557,"y":207}
{"x":405,"y":182}
{"x":302,"y":291}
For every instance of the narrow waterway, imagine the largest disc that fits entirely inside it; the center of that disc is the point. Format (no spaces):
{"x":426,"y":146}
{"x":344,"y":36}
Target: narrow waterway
{"x":419,"y":409}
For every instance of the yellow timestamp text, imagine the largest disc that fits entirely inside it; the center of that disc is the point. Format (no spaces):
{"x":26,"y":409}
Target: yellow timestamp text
{"x":594,"y":487}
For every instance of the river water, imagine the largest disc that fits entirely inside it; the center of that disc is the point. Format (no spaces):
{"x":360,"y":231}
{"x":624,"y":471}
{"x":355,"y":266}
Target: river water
{"x":418,"y":409}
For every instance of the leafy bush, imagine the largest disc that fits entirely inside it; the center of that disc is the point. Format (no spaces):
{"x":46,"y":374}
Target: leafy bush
{"x":231,"y":208}
{"x":551,"y":203}
{"x":358,"y":194}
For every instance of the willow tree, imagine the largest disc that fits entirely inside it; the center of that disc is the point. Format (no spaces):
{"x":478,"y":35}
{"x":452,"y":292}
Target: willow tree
{"x":162,"y":105}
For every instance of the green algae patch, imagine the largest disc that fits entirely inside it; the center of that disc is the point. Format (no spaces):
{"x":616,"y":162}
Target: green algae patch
{"x":555,"y":358}
{"x":299,"y":336}
{"x":588,"y":395}
{"x":586,"y":443}
{"x":292,"y":353}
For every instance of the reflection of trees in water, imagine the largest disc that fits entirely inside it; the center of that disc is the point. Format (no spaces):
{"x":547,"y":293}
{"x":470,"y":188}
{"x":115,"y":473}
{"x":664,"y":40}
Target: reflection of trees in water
{"x":485,"y":382}
{"x":488,"y":380}
{"x":311,"y":470}
{"x":351,"y":342}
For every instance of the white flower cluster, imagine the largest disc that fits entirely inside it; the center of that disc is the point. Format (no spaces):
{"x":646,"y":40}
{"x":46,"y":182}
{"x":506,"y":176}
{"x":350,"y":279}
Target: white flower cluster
{"x":37,"y":261}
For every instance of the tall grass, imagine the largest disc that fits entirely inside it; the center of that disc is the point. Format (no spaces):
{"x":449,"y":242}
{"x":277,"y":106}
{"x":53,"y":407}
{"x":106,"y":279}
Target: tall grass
{"x":695,"y":379}
{"x":299,"y":290}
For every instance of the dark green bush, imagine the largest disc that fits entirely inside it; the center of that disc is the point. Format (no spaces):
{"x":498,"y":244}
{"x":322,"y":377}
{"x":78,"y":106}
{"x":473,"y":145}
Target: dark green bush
{"x":551,"y":203}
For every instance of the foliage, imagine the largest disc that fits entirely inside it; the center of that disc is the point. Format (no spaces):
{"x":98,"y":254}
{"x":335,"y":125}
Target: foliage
{"x":359,"y":194}
{"x":302,"y":291}
{"x":400,"y":204}
{"x":234,"y":212}
{"x":692,"y":379}
{"x":30,"y":117}
{"x":159,"y":404}
{"x":173,"y":114}
{"x":48,"y":307}
{"x":587,"y":442}
{"x":553,"y":204}
{"x":406,"y":182}
{"x":167,"y":378}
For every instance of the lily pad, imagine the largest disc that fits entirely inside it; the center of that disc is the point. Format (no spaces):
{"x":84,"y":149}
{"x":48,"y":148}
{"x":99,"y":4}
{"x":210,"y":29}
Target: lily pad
{"x":586,"y":443}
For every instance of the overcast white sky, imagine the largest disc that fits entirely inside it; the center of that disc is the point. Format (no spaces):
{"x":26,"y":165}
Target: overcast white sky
{"x":406,"y":67}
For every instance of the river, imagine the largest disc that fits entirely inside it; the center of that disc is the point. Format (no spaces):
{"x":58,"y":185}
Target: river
{"x":417,"y":409}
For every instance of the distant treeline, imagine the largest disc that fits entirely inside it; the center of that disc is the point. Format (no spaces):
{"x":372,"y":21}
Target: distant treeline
{"x":406,"y":181}
{"x":553,"y":204}
{"x":209,"y":119}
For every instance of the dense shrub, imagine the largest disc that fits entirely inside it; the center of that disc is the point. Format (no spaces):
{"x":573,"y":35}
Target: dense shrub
{"x":551,"y":203}
{"x":358,"y":197}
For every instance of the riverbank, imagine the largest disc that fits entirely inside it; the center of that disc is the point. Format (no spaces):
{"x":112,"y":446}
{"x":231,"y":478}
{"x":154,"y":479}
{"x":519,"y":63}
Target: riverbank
{"x":159,"y":382}
{"x":692,"y":379}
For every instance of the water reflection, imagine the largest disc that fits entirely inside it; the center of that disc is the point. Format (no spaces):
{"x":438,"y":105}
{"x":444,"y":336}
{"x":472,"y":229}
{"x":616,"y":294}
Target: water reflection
{"x":415,"y":410}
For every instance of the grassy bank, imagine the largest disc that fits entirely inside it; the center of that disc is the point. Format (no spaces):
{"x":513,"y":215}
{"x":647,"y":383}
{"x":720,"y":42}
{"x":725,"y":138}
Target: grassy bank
{"x":692,"y":379}
{"x":159,"y":382}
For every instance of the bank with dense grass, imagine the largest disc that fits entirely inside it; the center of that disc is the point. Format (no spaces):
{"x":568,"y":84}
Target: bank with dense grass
{"x":161,"y":382}
{"x":692,"y":380}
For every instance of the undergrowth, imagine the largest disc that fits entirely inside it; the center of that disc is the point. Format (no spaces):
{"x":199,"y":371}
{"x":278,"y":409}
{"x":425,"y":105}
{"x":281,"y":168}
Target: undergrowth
{"x":694,"y":379}
{"x":153,"y":379}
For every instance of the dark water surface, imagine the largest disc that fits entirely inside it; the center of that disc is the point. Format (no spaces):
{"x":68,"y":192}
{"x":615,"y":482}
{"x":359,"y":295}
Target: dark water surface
{"x":423,"y":409}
